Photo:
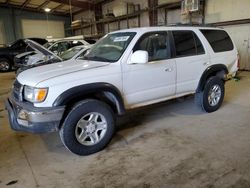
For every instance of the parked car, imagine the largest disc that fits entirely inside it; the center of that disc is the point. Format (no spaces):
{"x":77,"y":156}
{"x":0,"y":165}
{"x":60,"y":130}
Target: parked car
{"x":124,"y":70}
{"x":48,"y":44}
{"x":8,"y":53}
{"x":43,"y":56}
{"x":60,"y":46}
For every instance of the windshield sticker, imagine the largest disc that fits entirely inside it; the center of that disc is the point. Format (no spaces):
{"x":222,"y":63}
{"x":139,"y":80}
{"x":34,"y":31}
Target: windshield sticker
{"x":121,"y":39}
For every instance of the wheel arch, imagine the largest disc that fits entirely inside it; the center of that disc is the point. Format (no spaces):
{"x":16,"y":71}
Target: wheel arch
{"x":219,"y":70}
{"x":7,"y":57}
{"x":105,"y":92}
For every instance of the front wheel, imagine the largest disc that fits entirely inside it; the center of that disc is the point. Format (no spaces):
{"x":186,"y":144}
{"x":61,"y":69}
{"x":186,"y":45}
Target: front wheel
{"x":88,"y":127}
{"x":212,"y":95}
{"x":5,"y":65}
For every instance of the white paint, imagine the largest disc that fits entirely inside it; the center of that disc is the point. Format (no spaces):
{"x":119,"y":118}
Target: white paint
{"x":139,"y":57}
{"x":140,"y":84}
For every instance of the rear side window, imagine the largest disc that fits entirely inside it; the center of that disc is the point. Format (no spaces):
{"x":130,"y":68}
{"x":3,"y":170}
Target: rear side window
{"x":218,"y":39}
{"x":187,"y":44}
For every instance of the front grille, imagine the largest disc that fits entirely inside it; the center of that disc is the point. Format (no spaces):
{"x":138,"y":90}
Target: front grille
{"x":17,"y":90}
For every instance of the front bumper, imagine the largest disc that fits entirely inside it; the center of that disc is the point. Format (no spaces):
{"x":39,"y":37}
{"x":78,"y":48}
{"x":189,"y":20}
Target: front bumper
{"x":27,"y":118}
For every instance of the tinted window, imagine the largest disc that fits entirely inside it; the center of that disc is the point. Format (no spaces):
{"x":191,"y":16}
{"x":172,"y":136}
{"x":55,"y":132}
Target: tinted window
{"x":187,"y":43}
{"x":156,"y":44}
{"x":218,"y":39}
{"x":199,"y":46}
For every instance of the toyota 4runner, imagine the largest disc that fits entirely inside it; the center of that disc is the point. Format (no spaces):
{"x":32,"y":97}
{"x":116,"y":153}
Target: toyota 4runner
{"x":124,"y":70}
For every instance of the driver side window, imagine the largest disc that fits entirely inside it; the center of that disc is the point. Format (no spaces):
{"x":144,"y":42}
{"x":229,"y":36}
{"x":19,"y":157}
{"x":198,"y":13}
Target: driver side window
{"x":156,"y":44}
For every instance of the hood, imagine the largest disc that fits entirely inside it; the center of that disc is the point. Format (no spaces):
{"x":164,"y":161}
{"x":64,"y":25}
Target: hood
{"x":22,"y":55}
{"x":39,"y":48}
{"x":34,"y":76}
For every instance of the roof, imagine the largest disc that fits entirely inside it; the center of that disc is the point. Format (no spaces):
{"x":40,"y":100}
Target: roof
{"x":162,"y":28}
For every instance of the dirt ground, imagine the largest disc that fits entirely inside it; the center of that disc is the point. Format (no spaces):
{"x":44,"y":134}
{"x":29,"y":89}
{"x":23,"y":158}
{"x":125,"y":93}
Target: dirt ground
{"x":173,"y":144}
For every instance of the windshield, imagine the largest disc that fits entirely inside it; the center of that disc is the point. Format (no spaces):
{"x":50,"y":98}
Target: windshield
{"x":48,"y":44}
{"x":70,"y":53}
{"x":110,"y":48}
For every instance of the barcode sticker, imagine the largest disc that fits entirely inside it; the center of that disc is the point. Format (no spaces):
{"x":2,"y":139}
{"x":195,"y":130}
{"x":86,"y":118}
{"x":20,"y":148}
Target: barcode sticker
{"x":121,"y":39}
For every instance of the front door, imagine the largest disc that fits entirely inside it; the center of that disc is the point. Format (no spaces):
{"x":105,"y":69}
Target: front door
{"x":155,"y":80}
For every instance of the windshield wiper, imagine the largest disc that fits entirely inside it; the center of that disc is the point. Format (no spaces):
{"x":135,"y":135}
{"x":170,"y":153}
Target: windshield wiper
{"x":97,"y":58}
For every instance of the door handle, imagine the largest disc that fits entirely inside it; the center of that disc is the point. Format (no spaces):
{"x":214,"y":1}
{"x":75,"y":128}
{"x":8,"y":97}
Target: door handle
{"x":168,"y":69}
{"x":206,"y":63}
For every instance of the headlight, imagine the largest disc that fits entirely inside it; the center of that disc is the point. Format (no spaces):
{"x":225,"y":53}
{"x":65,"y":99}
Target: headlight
{"x":35,"y":94}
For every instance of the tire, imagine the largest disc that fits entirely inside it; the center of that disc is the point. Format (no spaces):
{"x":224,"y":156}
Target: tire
{"x":5,"y":65}
{"x":211,"y":98}
{"x":88,"y":127}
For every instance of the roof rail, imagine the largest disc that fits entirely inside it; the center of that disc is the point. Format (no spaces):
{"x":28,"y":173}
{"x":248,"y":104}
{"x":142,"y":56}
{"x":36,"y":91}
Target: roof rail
{"x":188,"y":25}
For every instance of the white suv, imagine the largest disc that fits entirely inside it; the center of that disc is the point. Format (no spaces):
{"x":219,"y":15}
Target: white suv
{"x":124,"y":70}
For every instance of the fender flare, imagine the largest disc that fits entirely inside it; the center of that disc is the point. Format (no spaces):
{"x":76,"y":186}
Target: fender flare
{"x":84,"y":91}
{"x":211,"y":70}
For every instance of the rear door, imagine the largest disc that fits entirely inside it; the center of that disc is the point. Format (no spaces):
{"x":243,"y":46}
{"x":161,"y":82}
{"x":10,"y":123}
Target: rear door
{"x":191,"y":60}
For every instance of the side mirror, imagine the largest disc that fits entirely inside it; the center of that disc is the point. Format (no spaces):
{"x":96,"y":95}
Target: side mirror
{"x":139,"y":57}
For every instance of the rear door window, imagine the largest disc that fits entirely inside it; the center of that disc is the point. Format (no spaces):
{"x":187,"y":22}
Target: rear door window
{"x":187,"y":43}
{"x":218,"y":39}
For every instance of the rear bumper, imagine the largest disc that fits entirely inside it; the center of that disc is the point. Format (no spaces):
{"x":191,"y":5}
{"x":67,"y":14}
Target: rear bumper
{"x":27,"y":118}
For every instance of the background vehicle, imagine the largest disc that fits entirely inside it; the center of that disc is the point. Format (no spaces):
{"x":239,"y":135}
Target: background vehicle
{"x":26,"y":60}
{"x":8,"y":53}
{"x":60,"y":46}
{"x":124,"y":70}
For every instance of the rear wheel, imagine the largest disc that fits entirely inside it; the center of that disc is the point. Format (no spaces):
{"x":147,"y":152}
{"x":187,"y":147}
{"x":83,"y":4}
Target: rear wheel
{"x":88,"y":127}
{"x":212,"y":95}
{"x":5,"y":65}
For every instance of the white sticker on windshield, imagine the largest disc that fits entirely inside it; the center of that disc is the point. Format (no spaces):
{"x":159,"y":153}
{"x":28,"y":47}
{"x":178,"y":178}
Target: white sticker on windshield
{"x":121,"y":39}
